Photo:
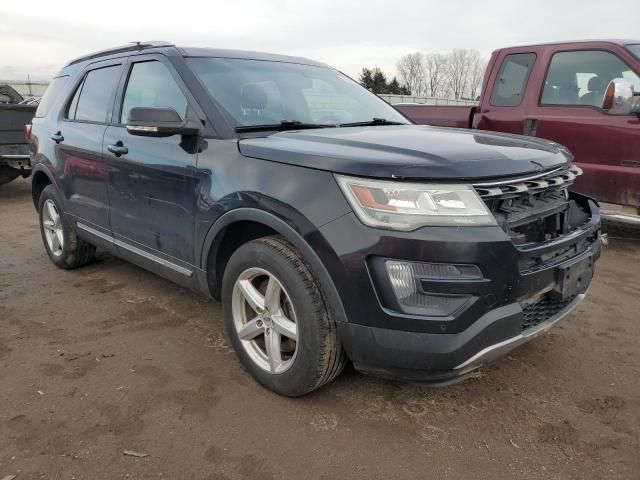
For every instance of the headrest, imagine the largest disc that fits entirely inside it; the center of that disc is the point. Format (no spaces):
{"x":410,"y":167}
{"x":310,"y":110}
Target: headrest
{"x":253,"y":96}
{"x":596,"y":84}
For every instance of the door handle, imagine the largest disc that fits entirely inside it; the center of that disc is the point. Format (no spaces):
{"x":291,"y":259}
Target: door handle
{"x":57,"y":137}
{"x":118,"y":149}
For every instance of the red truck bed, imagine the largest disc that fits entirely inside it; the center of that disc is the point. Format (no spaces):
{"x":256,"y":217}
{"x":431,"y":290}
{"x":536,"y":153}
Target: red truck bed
{"x":442,"y":116}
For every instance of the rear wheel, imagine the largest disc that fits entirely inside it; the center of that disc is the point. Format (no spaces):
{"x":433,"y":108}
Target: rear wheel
{"x":277,"y":320}
{"x":64,"y":248}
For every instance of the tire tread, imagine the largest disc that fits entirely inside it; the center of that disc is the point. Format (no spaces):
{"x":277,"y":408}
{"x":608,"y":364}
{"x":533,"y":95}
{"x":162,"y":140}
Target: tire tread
{"x":332,"y":357}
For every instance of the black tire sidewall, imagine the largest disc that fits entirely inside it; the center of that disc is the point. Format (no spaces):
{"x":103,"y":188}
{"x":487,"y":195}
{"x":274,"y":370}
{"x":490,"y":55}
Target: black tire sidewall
{"x":302,"y":376}
{"x":70,"y":239}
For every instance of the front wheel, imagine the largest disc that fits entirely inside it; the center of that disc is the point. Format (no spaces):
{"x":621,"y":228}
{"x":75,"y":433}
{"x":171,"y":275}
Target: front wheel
{"x":277,"y":320}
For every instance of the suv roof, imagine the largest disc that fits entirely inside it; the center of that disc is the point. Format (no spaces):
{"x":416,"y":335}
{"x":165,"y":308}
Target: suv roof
{"x":246,"y":54}
{"x":195,"y":52}
{"x":134,"y":46}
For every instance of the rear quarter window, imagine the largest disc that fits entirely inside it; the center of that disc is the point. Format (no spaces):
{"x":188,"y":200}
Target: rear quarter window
{"x":511,"y":82}
{"x":97,"y":95}
{"x":53,"y":92}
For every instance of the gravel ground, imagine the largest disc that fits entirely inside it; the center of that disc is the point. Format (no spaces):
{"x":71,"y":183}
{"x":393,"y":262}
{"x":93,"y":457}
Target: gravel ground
{"x":109,"y":358}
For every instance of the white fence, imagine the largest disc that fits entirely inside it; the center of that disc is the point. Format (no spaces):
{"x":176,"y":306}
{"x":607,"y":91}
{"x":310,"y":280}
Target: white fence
{"x":396,"y":99}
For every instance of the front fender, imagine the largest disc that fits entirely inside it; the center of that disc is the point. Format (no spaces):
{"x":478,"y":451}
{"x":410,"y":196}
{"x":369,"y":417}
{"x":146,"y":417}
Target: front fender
{"x":270,"y":220}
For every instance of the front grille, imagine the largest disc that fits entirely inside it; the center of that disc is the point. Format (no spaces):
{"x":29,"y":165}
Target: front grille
{"x":557,"y":180}
{"x":535,"y":209}
{"x":543,"y":309}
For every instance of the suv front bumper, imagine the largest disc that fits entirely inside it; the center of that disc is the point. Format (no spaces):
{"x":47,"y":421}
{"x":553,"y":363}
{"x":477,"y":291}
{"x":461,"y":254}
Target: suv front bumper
{"x":383,"y":341}
{"x":441,"y":359}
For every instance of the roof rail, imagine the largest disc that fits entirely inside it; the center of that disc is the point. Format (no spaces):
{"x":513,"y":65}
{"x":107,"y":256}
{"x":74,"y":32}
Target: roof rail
{"x":121,"y":49}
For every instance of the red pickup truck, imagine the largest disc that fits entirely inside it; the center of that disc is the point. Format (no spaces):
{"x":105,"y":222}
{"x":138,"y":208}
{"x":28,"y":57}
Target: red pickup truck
{"x":583,"y":95}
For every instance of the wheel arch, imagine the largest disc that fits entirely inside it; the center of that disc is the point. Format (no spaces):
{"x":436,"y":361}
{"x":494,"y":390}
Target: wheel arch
{"x":40,"y":178}
{"x":263,"y":224}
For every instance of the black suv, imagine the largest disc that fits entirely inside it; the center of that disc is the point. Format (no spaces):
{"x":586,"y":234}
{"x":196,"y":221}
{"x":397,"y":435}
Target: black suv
{"x":330,"y":226}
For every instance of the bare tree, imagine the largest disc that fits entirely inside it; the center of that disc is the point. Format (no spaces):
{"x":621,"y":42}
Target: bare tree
{"x":435,"y":66}
{"x":411,"y":72}
{"x":458,"y":74}
{"x":458,"y":71}
{"x":477,"y":66}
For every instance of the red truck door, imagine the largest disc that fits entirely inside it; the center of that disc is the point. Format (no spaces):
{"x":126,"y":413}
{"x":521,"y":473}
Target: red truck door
{"x":503,"y":105}
{"x":568,"y":111}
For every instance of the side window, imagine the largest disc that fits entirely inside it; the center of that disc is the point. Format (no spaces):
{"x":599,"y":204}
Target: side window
{"x":152,"y":85}
{"x":93,"y":100}
{"x":581,"y":77}
{"x":53,"y":92}
{"x":70,"y":114}
{"x":511,"y":82}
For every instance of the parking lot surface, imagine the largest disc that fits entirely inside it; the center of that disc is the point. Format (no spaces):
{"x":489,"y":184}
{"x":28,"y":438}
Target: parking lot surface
{"x":110,"y":358}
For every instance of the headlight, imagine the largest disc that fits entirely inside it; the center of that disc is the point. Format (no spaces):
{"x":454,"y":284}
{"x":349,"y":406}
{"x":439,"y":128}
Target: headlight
{"x":408,"y":206}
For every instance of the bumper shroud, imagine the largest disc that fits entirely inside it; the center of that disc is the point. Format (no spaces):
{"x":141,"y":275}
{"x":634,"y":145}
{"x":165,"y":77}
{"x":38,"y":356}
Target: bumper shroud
{"x":382,"y":340}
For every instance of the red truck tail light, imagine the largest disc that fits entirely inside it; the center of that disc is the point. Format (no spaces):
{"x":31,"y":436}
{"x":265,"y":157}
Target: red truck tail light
{"x":27,"y":131}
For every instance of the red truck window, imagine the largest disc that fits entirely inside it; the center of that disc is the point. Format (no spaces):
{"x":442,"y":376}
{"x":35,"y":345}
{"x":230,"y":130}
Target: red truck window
{"x":512,"y":79}
{"x":581,"y":77}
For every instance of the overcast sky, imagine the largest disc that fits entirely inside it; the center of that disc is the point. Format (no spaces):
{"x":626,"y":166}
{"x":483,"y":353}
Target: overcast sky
{"x":38,"y":36}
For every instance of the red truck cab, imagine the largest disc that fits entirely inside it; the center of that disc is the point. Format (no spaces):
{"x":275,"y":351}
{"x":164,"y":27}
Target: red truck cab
{"x":583,"y":95}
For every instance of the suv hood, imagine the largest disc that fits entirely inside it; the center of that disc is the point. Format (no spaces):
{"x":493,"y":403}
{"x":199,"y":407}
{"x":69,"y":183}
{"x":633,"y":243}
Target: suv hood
{"x":408,"y":151}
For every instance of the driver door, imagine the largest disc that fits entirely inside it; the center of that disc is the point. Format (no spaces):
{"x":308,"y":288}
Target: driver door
{"x":605,"y":146}
{"x":152,"y":185}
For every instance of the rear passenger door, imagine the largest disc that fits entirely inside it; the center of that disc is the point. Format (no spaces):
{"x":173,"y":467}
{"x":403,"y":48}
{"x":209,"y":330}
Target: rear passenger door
{"x":152,"y":189}
{"x":79,"y":136}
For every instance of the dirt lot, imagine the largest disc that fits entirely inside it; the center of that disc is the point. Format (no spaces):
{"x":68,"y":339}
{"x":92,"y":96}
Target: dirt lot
{"x":110,"y":358}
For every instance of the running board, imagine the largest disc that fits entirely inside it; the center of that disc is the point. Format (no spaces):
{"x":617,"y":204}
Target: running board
{"x":149,"y":256}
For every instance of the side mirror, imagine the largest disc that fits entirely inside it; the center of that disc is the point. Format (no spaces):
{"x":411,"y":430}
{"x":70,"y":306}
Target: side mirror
{"x":618,"y":98}
{"x":159,"y":122}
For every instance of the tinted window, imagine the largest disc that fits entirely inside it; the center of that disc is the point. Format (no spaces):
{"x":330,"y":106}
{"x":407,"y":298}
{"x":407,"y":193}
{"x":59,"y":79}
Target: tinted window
{"x":511,"y":82}
{"x":255,"y":92}
{"x":152,"y":85}
{"x":73,"y":106}
{"x":96,"y":95}
{"x":53,"y":92}
{"x":581,"y":77}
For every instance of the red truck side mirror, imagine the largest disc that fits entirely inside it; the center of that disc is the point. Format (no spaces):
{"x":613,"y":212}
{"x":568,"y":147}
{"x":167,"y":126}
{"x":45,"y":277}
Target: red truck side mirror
{"x":619,"y":98}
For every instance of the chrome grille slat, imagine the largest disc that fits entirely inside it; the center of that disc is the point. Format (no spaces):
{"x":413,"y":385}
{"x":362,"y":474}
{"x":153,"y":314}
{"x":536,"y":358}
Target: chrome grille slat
{"x":555,"y":179}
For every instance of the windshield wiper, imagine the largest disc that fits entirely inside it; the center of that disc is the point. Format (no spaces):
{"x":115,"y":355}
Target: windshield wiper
{"x":283,"y":125}
{"x":372,"y":122}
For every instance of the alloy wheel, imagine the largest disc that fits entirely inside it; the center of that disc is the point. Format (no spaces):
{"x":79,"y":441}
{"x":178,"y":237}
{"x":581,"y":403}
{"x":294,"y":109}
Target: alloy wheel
{"x":265,"y":320}
{"x":52,"y":223}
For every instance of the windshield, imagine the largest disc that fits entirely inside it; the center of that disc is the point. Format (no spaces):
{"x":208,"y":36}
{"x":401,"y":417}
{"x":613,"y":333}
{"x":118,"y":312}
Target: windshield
{"x":256,"y":92}
{"x":635,"y":49}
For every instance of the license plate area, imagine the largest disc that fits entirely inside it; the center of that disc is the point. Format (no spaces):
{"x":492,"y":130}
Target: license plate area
{"x":574,"y":277}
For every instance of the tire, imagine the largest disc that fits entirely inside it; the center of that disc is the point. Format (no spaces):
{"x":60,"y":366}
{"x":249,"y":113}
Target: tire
{"x":72,"y":252}
{"x":316,"y":355}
